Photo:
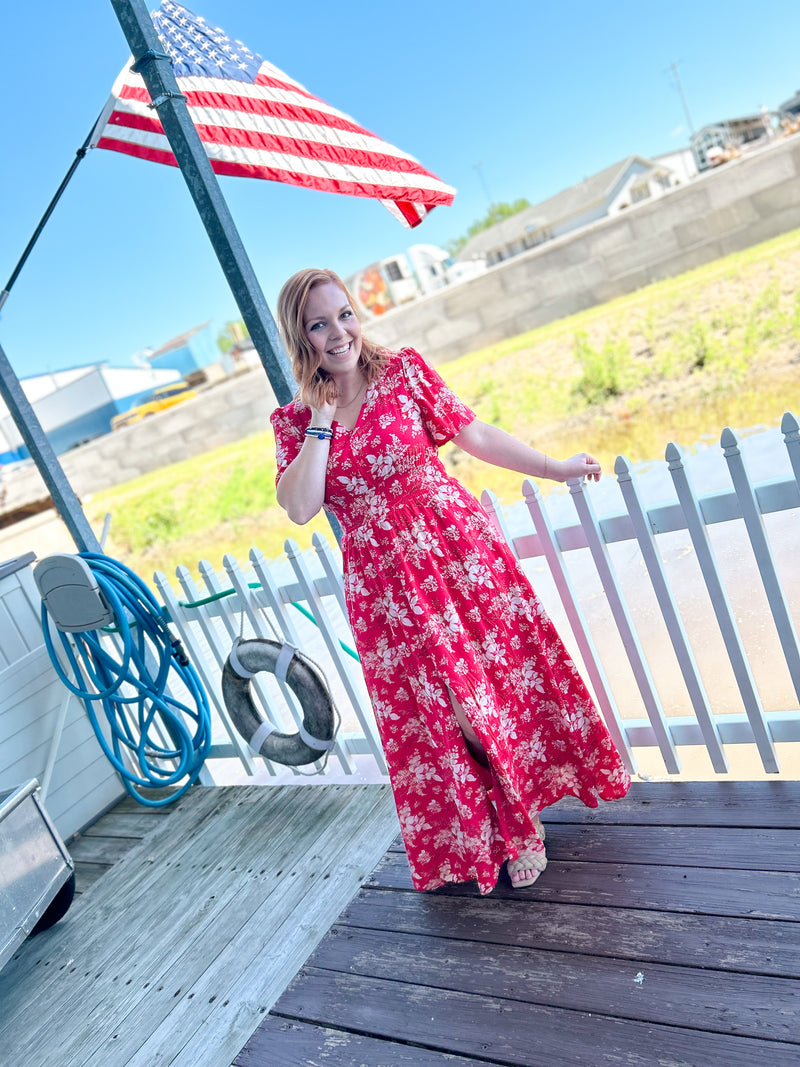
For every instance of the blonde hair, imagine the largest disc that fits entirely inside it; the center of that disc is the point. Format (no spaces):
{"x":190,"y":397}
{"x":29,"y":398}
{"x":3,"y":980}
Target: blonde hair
{"x":316,"y":386}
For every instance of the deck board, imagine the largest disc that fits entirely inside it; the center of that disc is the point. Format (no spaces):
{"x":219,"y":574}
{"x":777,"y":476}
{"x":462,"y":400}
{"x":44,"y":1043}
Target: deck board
{"x":177,"y":952}
{"x":665,"y":929}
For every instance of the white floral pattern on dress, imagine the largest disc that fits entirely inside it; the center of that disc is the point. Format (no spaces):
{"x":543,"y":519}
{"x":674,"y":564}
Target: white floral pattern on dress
{"x":439,"y":605}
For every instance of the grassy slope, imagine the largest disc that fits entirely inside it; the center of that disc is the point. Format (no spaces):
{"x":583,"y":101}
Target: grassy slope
{"x":717,"y":346}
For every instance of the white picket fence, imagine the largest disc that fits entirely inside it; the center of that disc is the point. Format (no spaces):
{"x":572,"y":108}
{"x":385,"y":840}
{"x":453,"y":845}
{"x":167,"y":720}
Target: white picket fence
{"x":635,"y":638}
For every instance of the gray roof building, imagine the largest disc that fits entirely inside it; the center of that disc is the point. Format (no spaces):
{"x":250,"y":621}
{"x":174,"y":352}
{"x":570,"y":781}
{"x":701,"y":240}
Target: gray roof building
{"x":627,"y":182}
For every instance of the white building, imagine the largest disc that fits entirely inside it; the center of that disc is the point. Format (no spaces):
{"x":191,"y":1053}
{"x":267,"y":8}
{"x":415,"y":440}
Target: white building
{"x":77,"y":404}
{"x":628,"y":182}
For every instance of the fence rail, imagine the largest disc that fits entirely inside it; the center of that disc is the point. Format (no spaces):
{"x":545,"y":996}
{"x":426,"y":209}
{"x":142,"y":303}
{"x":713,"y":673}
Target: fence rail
{"x":263,"y":600}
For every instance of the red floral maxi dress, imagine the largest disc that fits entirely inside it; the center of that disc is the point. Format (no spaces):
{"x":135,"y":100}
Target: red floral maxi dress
{"x":438,"y":602}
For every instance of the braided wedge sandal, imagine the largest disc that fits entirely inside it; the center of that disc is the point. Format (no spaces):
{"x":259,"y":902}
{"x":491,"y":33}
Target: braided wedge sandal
{"x":529,"y":861}
{"x":526,"y":861}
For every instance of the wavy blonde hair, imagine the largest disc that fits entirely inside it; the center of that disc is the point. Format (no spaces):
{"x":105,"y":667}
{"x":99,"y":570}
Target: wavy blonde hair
{"x":315,"y":384}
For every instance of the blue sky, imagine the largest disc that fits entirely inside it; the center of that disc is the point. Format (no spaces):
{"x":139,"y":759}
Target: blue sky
{"x":539,"y":95}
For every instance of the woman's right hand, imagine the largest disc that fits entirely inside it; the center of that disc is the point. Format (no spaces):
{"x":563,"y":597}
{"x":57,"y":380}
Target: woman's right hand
{"x":323,"y":415}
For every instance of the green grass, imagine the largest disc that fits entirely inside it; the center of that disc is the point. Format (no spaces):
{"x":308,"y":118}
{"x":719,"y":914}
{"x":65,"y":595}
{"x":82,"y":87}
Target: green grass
{"x":719,"y":345}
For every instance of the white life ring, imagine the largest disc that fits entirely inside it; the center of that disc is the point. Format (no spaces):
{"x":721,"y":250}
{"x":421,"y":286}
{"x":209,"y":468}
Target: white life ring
{"x":316,"y":735}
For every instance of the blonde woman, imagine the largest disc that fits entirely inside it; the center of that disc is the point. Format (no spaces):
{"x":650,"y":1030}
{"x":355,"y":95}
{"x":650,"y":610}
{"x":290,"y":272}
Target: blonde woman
{"x":483,"y":716}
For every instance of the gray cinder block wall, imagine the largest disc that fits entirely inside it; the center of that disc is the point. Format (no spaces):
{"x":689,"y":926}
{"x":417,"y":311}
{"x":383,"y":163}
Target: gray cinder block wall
{"x":738,"y":205}
{"x":224,"y":413}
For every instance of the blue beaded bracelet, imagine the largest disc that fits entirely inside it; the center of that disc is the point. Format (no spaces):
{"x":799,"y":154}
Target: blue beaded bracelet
{"x":322,"y":433}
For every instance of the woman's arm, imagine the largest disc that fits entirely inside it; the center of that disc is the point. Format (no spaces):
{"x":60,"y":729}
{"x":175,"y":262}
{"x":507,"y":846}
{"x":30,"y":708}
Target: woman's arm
{"x":301,"y":489}
{"x":495,"y":446}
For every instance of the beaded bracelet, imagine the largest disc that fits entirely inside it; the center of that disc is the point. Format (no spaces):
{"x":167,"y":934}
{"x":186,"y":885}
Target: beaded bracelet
{"x":322,"y":433}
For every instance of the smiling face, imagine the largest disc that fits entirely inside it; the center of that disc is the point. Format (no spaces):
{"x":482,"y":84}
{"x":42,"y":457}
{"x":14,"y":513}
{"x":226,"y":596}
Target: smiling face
{"x":332,"y":329}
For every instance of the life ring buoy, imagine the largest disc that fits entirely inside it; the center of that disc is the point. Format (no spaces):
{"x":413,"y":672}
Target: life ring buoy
{"x":316,"y":735}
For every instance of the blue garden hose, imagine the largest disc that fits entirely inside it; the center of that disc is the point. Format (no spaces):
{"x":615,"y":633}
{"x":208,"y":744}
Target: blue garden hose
{"x":132,"y":687}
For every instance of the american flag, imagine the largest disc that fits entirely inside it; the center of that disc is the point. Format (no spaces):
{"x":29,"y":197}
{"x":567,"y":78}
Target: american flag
{"x":257,"y":122}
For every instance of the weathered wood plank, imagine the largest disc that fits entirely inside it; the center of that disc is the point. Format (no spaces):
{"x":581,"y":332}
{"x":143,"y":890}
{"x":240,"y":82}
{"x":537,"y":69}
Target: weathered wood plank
{"x":122,"y":888}
{"x":107,"y":850}
{"x":124,"y":824}
{"x":734,"y":848}
{"x":728,"y":847}
{"x":257,"y":943}
{"x":719,"y":1001}
{"x":295,"y":1044}
{"x":224,"y":919}
{"x":768,"y":804}
{"x":760,"y":894}
{"x":174,"y":900}
{"x":86,"y":874}
{"x":129,"y":804}
{"x":761,"y":946}
{"x":511,"y":1031}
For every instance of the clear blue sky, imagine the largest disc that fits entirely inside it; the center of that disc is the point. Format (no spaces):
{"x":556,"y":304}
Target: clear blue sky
{"x":540,"y":95}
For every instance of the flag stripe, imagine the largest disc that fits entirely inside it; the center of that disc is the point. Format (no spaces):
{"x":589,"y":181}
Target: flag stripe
{"x":386,"y":183}
{"x":311,"y":141}
{"x":239,"y":108}
{"x":400,"y":196}
{"x":256,"y":121}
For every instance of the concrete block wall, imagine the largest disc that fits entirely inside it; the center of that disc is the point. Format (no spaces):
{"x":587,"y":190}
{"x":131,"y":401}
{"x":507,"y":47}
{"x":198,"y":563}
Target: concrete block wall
{"x":227,"y":412}
{"x":738,"y":205}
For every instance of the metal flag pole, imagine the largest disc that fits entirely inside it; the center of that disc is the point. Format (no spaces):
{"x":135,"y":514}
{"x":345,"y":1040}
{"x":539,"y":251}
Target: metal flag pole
{"x":169,"y":104}
{"x":81,"y":152}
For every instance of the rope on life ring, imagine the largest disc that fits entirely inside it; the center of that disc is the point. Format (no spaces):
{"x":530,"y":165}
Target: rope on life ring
{"x":315,"y":737}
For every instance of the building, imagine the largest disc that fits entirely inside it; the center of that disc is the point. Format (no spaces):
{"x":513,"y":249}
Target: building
{"x":188,"y":354}
{"x":627,"y":182}
{"x":721,"y":141}
{"x":791,"y":106}
{"x":77,"y":404}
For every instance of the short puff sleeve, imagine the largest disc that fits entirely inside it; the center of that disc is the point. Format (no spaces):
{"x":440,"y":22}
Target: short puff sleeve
{"x":289,"y":425}
{"x":443,"y":414}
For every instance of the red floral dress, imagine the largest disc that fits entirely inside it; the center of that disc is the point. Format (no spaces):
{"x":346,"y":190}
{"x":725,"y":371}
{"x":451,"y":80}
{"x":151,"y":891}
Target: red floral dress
{"x":438,"y":602}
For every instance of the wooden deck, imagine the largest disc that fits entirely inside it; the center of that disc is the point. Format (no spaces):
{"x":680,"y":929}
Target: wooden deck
{"x":191,"y":922}
{"x":666,"y":930}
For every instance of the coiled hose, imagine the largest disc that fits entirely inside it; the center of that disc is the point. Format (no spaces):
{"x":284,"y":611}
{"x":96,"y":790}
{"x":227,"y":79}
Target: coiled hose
{"x":150,"y":727}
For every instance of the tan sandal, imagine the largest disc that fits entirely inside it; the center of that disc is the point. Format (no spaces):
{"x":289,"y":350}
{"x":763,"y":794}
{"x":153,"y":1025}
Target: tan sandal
{"x":527,"y":861}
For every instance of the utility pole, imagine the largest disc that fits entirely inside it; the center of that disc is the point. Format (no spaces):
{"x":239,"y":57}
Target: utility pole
{"x":676,"y":76}
{"x":479,"y":168}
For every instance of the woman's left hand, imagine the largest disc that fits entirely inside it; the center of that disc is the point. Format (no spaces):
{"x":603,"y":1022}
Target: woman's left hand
{"x":582,"y":466}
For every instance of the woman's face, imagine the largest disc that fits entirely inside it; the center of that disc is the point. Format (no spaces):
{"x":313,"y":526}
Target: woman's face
{"x":332,"y":329}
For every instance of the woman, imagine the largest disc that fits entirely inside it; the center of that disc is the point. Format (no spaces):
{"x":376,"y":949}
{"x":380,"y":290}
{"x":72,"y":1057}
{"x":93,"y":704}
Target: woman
{"x":483,"y":717}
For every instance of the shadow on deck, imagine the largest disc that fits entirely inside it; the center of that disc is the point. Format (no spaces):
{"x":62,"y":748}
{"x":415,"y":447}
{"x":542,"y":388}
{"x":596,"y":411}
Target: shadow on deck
{"x":666,"y":930}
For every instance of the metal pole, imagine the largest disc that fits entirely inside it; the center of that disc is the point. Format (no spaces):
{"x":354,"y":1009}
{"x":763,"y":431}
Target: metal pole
{"x":156,"y":69}
{"x":80,"y":153}
{"x":64,"y":498}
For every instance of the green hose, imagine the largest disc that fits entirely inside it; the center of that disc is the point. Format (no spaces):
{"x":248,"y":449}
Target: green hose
{"x":257,"y":585}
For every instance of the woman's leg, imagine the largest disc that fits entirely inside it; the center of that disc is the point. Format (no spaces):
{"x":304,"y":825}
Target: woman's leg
{"x":474,"y":747}
{"x":525,"y":870}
